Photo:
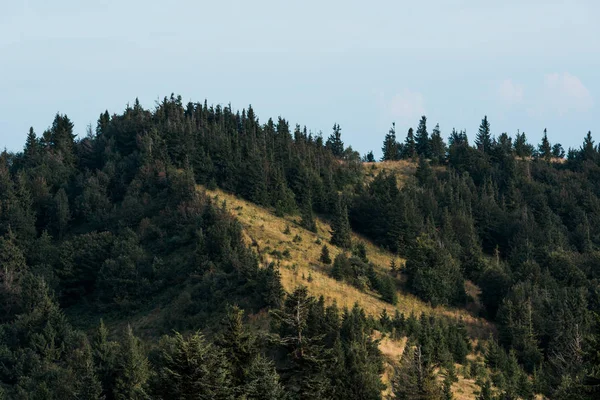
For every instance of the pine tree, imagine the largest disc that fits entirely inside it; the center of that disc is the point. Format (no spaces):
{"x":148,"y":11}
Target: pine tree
{"x":447,"y":389}
{"x":12,"y":270}
{"x":522,"y":148}
{"x":105,"y":358}
{"x":238,"y":343}
{"x":32,"y":149}
{"x":558,"y":151}
{"x":61,"y":211}
{"x":390,"y":146}
{"x":410,"y":146}
{"x":422,"y":144}
{"x":133,"y":370}
{"x":415,"y":378}
{"x":437,"y":145}
{"x":307,"y":218}
{"x":486,"y":391}
{"x":588,"y":150}
{"x":262,"y":381}
{"x":191,"y":368}
{"x":340,"y":226}
{"x":544,"y":149}
{"x":325,"y":258}
{"x":483,"y":141}
{"x":334,"y":142}
{"x":87,"y":385}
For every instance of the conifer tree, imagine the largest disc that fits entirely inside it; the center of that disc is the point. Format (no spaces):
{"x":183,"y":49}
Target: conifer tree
{"x":133,"y":370}
{"x":88,"y":386}
{"x":390,"y":146}
{"x":588,"y":150}
{"x":558,"y":151}
{"x":340,"y":226}
{"x":307,"y":218}
{"x":104,"y":353}
{"x":483,"y":141}
{"x":415,"y":378}
{"x":192,"y":368}
{"x":325,"y":258}
{"x":334,"y":142}
{"x":12,"y":270}
{"x":410,"y":146}
{"x":32,"y":148}
{"x":422,"y":144}
{"x":437,"y":145}
{"x":544,"y":149}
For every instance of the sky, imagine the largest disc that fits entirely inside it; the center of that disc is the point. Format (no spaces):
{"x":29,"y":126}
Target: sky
{"x":527,"y":65}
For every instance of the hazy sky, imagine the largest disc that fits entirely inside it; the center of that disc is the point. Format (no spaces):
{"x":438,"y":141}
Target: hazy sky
{"x":528,"y":65}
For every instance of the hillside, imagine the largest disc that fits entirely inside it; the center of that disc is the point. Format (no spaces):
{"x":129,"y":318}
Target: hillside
{"x":266,"y":232}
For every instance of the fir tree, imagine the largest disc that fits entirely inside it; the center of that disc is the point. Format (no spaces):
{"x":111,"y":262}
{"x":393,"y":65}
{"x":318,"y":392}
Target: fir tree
{"x":340,"y":226}
{"x":410,"y":146}
{"x":390,"y":146}
{"x":325,"y":258}
{"x":437,"y":145}
{"x":544,"y":149}
{"x":191,"y":368}
{"x":588,"y":150}
{"x":483,"y":141}
{"x":422,"y":143}
{"x":133,"y":370}
{"x":334,"y":142}
{"x":558,"y":151}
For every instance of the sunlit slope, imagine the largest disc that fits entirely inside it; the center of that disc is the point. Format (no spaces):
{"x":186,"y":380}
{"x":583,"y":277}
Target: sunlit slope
{"x":297,"y":251}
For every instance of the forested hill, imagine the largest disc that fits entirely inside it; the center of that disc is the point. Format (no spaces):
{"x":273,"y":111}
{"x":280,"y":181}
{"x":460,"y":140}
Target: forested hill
{"x":112,"y":225}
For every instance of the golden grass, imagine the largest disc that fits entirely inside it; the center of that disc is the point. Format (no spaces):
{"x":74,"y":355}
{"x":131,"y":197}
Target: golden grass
{"x":266,"y":232}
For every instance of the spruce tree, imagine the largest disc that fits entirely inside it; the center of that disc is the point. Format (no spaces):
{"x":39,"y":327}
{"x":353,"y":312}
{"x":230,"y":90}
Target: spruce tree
{"x":437,"y":145}
{"x":334,"y":142}
{"x":544,"y":149}
{"x":340,"y":226}
{"x":588,"y":150}
{"x":133,"y":370}
{"x":390,"y":146}
{"x":483,"y":141}
{"x":410,"y":147}
{"x":307,"y":218}
{"x":325,"y":258}
{"x":191,"y":368}
{"x":558,"y":151}
{"x":422,"y":144}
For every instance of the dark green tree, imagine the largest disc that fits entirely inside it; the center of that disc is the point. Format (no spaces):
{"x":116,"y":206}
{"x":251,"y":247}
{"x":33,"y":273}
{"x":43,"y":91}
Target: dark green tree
{"x":544,"y":148}
{"x":340,"y":226}
{"x":422,"y":143}
{"x":334,"y":142}
{"x":325,"y":258}
{"x":410,"y":146}
{"x":390,"y":145}
{"x":483,"y":141}
{"x":437,"y":145}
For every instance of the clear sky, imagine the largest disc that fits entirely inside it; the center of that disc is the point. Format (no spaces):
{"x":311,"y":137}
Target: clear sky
{"x":527,"y":64}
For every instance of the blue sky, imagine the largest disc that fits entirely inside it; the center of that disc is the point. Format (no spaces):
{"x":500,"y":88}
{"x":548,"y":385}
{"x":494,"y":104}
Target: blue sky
{"x":528,"y":65}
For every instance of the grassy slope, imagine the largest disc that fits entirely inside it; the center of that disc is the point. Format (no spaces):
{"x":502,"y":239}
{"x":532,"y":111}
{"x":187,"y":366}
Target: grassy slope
{"x":265,"y":232}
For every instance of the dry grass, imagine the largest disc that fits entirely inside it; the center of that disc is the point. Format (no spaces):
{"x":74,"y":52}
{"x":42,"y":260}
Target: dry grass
{"x":266,"y":232}
{"x":404,"y":169}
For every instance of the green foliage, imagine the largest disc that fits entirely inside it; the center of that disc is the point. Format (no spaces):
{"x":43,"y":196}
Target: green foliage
{"x":325,"y":258}
{"x":340,"y":226}
{"x":191,"y":368}
{"x":433,"y":273}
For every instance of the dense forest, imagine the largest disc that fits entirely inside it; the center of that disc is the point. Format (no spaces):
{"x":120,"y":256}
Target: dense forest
{"x":94,"y":230}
